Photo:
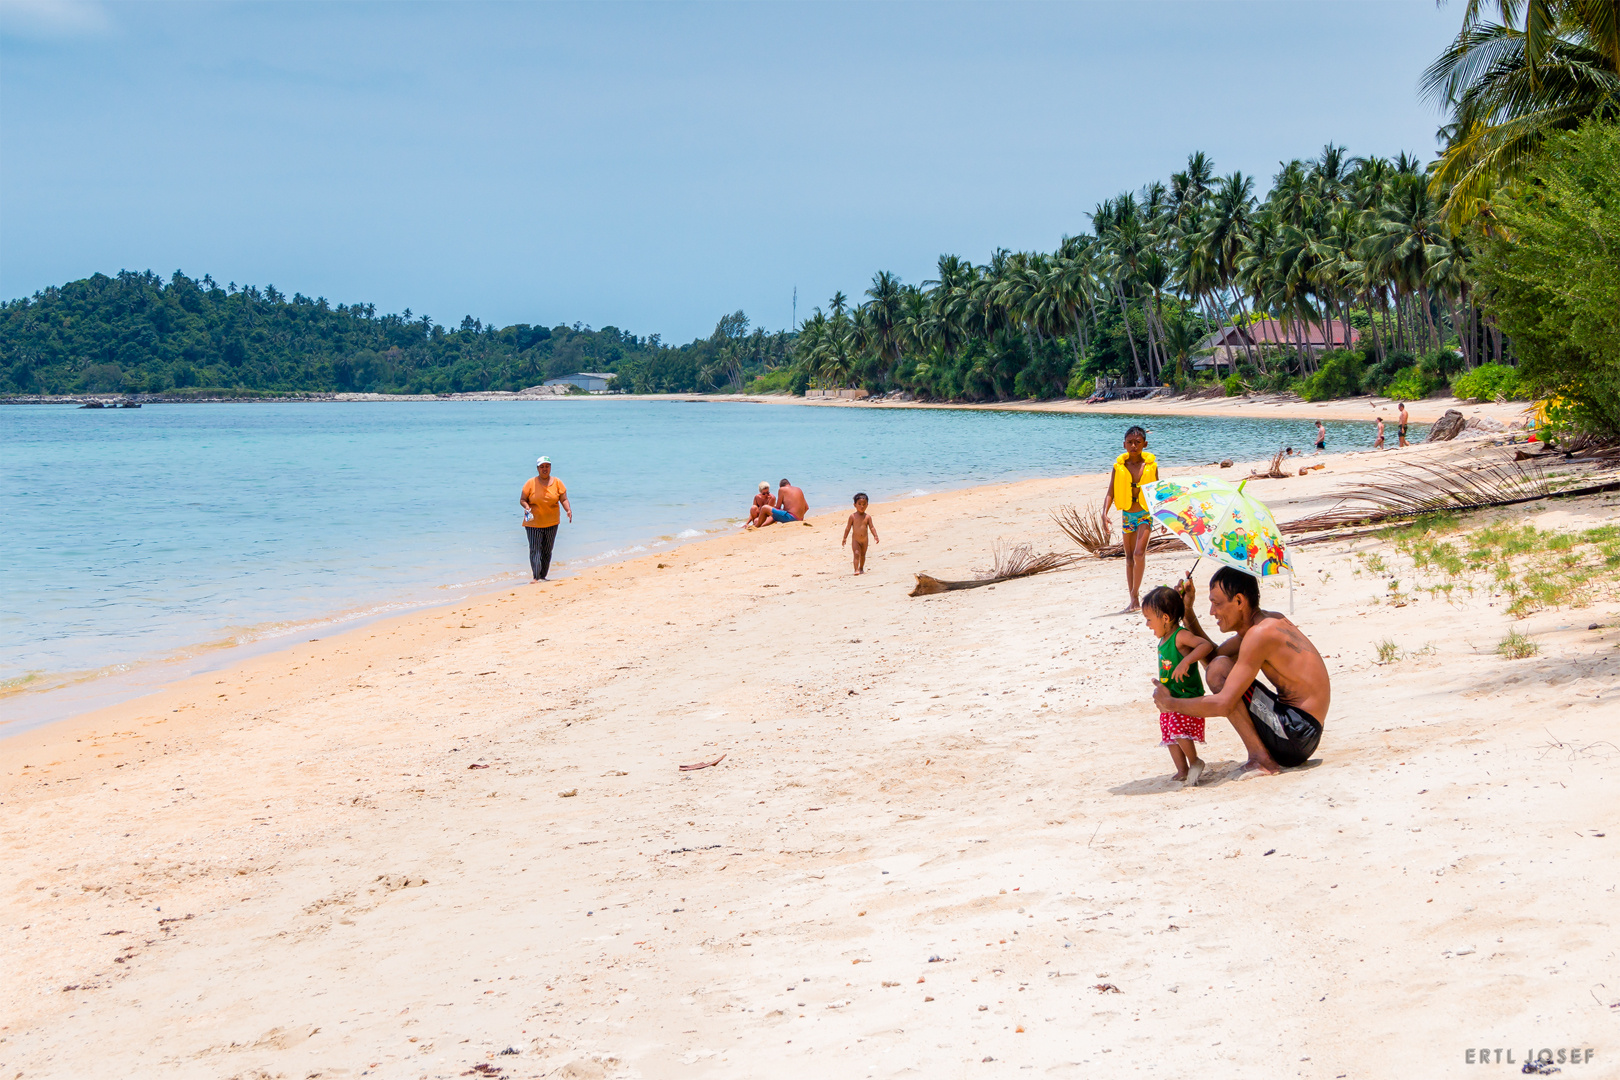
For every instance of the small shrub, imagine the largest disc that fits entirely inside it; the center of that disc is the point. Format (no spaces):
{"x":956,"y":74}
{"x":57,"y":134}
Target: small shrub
{"x":1441,"y":364}
{"x":1383,"y":373}
{"x":1339,"y":375}
{"x":1234,"y":385}
{"x":1487,"y":383}
{"x":1388,"y":652}
{"x":1516,"y":646}
{"x":1080,"y":385}
{"x":772,"y":382}
{"x":1411,"y":385}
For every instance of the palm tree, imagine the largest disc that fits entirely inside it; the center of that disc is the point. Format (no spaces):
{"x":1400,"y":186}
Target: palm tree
{"x":887,"y":311}
{"x":1402,"y":237}
{"x":1511,"y":83}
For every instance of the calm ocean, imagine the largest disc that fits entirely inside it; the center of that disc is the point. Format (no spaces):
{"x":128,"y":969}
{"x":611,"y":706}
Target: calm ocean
{"x":173,"y":532}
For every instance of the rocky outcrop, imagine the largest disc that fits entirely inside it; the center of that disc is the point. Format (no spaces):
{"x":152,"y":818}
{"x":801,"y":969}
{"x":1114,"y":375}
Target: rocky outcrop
{"x":1448,"y":427}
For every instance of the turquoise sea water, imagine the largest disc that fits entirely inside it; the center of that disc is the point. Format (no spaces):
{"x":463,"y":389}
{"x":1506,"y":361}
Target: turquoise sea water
{"x":136,"y":536}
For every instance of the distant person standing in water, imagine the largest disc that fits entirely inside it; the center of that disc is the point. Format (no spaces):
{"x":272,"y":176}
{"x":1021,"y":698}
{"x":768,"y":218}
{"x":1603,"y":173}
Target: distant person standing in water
{"x":1402,"y":430}
{"x":1133,"y":470}
{"x":1378,"y":443}
{"x":541,"y":497}
{"x":1321,"y":437}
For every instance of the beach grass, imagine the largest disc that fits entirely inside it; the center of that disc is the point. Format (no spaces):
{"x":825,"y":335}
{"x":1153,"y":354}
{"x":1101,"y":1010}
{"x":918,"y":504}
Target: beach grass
{"x":1534,"y":569}
{"x":1517,"y":646}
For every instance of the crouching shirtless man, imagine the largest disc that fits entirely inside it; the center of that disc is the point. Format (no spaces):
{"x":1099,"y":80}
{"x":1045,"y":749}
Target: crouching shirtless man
{"x":1278,"y":727}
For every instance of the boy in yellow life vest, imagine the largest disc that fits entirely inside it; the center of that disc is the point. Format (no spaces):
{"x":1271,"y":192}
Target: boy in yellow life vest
{"x":1132,"y":469}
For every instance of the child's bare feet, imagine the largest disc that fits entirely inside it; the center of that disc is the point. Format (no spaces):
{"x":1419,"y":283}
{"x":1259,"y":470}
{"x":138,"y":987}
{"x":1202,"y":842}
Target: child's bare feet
{"x":1195,"y":769}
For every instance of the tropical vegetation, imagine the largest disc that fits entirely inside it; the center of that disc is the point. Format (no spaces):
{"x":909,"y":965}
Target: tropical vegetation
{"x":1336,"y":240}
{"x":136,"y":333}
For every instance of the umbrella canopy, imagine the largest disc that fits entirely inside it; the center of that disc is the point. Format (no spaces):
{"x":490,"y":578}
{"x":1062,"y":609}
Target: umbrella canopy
{"x":1219,"y":522}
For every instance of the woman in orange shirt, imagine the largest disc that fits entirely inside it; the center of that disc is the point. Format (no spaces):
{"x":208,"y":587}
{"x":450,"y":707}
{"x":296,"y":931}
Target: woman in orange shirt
{"x":541,"y":497}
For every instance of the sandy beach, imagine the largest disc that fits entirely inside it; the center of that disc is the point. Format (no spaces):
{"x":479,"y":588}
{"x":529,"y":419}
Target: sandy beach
{"x":1256,"y":406}
{"x":940,"y":839}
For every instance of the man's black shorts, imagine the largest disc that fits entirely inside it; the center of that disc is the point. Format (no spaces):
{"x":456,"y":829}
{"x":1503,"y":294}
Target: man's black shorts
{"x":1289,"y":734}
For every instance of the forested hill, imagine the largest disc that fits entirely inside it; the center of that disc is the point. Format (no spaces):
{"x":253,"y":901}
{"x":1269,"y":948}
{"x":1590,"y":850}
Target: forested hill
{"x":136,"y":333}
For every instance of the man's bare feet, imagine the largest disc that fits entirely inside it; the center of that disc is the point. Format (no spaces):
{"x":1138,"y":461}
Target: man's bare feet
{"x":1257,"y":767}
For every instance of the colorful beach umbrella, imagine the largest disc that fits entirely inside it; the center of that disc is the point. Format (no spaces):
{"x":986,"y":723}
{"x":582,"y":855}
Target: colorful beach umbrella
{"x":1218,"y":521}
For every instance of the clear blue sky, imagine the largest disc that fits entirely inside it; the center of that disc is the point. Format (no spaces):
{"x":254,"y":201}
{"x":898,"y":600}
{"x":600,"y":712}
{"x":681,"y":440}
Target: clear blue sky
{"x":647,"y":166}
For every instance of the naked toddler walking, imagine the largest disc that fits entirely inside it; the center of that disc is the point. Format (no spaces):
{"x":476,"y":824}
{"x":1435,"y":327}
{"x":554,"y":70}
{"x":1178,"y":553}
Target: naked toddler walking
{"x":860,"y":523}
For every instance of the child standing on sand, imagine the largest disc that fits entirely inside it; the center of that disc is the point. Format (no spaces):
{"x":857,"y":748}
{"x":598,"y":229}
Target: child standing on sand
{"x":860,"y":523}
{"x":1180,"y":650}
{"x":1133,"y":470}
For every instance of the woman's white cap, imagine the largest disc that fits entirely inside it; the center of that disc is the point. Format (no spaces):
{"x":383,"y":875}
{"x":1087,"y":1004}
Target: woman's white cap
{"x":542,"y":461}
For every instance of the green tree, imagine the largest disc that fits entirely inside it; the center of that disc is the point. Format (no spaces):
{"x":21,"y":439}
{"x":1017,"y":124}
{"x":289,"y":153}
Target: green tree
{"x":1551,"y":274}
{"x":1544,"y":67}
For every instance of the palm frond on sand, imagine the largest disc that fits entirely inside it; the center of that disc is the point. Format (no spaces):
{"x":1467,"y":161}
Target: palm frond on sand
{"x":1094,"y":531}
{"x":1422,"y":488}
{"x":1007,"y":563}
{"x":1276,"y":471}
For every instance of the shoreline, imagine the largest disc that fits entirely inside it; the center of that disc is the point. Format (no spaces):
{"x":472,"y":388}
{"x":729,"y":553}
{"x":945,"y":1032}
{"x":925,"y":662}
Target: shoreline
{"x":414,"y":845}
{"x":1257,"y":406}
{"x":51,"y":696}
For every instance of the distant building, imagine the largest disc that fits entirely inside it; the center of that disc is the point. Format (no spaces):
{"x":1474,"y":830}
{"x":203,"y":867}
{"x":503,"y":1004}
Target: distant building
{"x":595,"y":382}
{"x":1228,"y":343}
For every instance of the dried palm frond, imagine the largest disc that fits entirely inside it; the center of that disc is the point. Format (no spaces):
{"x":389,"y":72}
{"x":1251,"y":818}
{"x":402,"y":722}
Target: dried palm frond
{"x":1094,"y":531}
{"x":1422,"y":488}
{"x":1601,"y":447}
{"x":1006,"y":564}
{"x":1275,"y":472}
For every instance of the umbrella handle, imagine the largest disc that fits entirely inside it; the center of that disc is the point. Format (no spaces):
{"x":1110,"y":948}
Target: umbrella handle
{"x":1193,"y":567}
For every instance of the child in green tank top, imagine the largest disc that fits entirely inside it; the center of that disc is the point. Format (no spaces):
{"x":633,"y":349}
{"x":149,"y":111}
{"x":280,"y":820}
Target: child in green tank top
{"x":1180,"y":650}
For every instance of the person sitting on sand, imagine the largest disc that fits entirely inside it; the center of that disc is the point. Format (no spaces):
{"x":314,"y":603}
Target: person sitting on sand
{"x":764,"y":503}
{"x":1180,"y":651}
{"x":860,"y":523}
{"x":790,"y":503}
{"x":1278,"y":727}
{"x":1133,"y":469}
{"x":1378,"y":442}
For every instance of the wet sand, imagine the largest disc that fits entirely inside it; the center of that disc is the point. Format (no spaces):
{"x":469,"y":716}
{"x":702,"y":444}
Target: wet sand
{"x":940,"y":826}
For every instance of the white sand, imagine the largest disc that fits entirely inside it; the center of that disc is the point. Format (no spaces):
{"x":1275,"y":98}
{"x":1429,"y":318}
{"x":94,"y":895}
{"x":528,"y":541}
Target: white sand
{"x":303,"y":867}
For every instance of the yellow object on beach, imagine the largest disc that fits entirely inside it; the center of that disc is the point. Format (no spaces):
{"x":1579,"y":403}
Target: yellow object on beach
{"x":1123,"y":482}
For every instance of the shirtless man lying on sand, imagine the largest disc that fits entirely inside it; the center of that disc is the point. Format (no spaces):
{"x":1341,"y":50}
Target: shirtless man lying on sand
{"x":790,"y":506}
{"x":1278,"y":727}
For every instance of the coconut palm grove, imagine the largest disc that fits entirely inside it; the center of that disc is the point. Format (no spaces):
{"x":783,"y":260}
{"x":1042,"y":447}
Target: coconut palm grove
{"x":1491,"y":271}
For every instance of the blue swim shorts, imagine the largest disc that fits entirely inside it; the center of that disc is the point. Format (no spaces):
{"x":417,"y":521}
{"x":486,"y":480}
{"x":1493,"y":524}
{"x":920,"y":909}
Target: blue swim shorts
{"x":780,"y":515}
{"x":1137,"y":519}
